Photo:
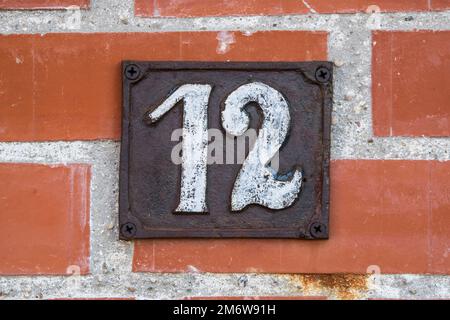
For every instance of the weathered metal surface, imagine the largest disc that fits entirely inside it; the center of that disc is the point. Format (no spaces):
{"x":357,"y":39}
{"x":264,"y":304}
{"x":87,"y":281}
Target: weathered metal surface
{"x":151,"y":182}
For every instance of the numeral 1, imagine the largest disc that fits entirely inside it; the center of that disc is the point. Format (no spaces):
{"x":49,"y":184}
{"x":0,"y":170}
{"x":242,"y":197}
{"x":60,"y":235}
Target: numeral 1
{"x":194,"y":145}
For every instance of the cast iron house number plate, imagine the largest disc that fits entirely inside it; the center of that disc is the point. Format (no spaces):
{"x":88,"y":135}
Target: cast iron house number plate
{"x":225,"y":150}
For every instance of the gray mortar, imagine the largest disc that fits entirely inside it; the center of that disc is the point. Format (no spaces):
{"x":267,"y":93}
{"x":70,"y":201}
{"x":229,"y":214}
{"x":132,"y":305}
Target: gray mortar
{"x":349,"y":47}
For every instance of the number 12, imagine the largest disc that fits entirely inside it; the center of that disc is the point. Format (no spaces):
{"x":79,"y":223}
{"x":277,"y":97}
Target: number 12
{"x":256,"y":182}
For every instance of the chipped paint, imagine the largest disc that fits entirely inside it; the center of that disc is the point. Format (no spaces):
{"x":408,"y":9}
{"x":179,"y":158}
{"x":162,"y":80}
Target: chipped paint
{"x":225,"y":39}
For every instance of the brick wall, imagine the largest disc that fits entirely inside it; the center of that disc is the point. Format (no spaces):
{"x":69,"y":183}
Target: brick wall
{"x":60,"y":100}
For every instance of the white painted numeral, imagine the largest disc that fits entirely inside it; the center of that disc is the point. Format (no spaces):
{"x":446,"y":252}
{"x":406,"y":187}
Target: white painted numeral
{"x":194,"y":145}
{"x":256,"y":182}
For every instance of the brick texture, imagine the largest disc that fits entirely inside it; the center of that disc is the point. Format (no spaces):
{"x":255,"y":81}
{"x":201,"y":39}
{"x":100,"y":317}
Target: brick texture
{"x":439,"y":186}
{"x":392,"y":214}
{"x":42,"y":4}
{"x":44,"y":214}
{"x":440,"y":4}
{"x":410,"y":84}
{"x":193,"y":8}
{"x":68,"y":86}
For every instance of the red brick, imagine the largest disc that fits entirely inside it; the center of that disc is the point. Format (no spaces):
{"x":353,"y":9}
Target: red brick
{"x":392,"y":214}
{"x":352,"y":6}
{"x":440,"y":221}
{"x":440,"y":4}
{"x":410,"y":83}
{"x":42,"y":4}
{"x":44,"y":214}
{"x":192,"y":8}
{"x":68,"y":86}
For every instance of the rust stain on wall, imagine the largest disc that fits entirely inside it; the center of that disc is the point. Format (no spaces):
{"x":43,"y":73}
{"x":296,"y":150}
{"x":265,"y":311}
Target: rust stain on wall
{"x":341,"y":286}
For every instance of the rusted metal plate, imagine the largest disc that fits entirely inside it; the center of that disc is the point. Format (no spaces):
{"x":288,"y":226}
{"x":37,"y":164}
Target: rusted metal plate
{"x":197,"y":139}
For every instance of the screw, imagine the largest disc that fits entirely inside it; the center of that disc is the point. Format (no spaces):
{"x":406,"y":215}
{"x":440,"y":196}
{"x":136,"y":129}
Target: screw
{"x":323,"y":75}
{"x":242,"y":281}
{"x":318,"y":230}
{"x":132,"y":72}
{"x":128,"y":230}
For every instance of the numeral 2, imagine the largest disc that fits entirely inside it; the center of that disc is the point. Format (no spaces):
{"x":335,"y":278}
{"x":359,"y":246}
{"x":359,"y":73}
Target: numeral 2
{"x":256,"y":182}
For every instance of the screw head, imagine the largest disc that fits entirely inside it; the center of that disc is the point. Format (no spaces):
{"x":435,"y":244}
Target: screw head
{"x":132,"y":72}
{"x":318,"y":230}
{"x":128,"y":230}
{"x":323,"y":75}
